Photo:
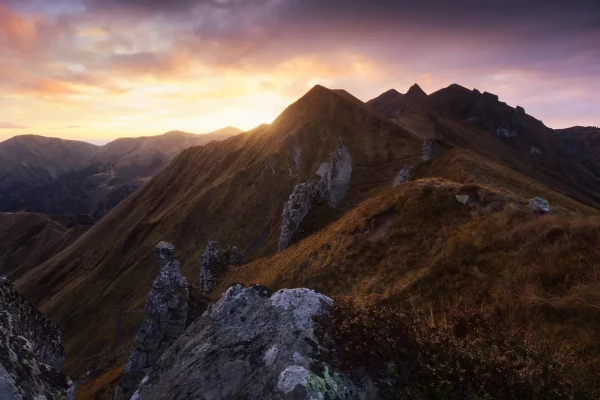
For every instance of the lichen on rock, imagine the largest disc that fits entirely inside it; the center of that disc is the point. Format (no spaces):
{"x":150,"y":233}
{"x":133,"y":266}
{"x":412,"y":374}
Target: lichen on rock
{"x":253,"y":345}
{"x":166,"y":313}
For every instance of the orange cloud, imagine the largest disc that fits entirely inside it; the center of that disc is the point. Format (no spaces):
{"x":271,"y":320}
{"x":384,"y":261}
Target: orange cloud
{"x":16,"y":32}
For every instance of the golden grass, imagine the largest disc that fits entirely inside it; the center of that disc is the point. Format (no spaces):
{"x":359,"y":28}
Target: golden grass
{"x":101,"y":388}
{"x":416,"y":246}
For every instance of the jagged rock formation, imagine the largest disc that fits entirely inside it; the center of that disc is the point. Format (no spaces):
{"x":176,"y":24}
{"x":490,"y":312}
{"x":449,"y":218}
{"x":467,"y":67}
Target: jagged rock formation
{"x":213,"y":261}
{"x":336,"y":173}
{"x":540,"y":205}
{"x":405,"y":175}
{"x":428,"y":149}
{"x":31,"y":351}
{"x":333,"y":185}
{"x":302,"y":199}
{"x":252,"y":345}
{"x":166,"y":313}
{"x":484,"y":114}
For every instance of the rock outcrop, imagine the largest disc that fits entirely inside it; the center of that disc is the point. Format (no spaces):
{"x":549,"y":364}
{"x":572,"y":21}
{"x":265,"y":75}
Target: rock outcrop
{"x":253,"y":345}
{"x":166,"y":313}
{"x":302,"y":199}
{"x":213,"y":261}
{"x":428,"y":149}
{"x":31,"y":351}
{"x":540,"y":205}
{"x":332,"y":187}
{"x":405,"y":175}
{"x":336,"y":173}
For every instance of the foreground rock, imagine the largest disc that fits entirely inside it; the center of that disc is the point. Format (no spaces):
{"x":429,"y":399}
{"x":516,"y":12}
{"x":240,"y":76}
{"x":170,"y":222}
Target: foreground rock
{"x":166,"y":313}
{"x":31,"y":351}
{"x":252,"y":345}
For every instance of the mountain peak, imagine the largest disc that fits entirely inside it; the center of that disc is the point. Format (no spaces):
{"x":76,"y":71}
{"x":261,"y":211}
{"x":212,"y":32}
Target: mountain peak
{"x":415,"y":90}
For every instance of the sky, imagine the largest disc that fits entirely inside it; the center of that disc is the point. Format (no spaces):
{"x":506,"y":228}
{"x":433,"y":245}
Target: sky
{"x":96,"y":70}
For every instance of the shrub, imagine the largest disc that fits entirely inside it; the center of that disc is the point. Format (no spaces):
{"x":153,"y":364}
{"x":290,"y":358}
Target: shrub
{"x":470,"y":356}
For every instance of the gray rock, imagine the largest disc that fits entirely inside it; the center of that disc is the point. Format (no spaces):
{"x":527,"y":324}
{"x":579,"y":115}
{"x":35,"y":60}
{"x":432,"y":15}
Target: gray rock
{"x":166,"y":313}
{"x":213,"y":261}
{"x":302,"y":199}
{"x":335,"y":179}
{"x":209,"y":262}
{"x":253,"y":345}
{"x":428,"y":149}
{"x":534,"y":151}
{"x":31,"y":351}
{"x":336,"y":174}
{"x":297,"y":158}
{"x":405,"y":175}
{"x":540,"y":205}
{"x":465,"y":199}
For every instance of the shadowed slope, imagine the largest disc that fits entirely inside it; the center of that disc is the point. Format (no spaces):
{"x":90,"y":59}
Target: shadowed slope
{"x":29,"y":239}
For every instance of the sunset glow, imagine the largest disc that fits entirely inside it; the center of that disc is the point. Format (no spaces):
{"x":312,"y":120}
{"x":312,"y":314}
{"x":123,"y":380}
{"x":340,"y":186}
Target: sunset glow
{"x":102,"y":69}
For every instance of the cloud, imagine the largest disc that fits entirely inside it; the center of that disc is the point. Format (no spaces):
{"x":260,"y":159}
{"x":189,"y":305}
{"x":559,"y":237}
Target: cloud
{"x":8,"y":125}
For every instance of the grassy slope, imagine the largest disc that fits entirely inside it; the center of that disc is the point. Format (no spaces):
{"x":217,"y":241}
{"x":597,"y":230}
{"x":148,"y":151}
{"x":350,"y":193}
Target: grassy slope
{"x":416,"y":246}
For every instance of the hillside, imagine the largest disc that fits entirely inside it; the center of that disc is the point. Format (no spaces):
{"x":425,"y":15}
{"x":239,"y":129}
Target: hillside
{"x":29,"y":239}
{"x":55,"y":176}
{"x":192,"y":201}
{"x":309,"y":201}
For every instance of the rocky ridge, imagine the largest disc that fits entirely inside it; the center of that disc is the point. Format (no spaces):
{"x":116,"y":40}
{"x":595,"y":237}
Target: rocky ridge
{"x":31,"y":351}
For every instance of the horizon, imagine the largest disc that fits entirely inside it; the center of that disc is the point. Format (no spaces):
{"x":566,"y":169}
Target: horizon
{"x":95,"y":71}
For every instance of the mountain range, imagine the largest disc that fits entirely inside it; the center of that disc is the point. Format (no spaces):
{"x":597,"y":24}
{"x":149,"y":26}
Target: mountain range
{"x":407,"y":200}
{"x":56,"y":176}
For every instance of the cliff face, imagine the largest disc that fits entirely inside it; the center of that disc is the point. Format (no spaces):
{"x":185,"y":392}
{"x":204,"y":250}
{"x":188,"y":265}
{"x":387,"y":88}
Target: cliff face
{"x":31,"y":351}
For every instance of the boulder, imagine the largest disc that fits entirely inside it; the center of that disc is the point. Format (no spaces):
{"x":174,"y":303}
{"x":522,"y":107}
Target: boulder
{"x":540,"y":205}
{"x":465,"y":199}
{"x":253,"y":345}
{"x":31,"y":351}
{"x":166,"y":314}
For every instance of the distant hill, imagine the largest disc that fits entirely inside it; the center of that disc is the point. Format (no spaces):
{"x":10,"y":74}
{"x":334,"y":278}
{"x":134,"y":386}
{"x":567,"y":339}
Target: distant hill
{"x":56,"y":176}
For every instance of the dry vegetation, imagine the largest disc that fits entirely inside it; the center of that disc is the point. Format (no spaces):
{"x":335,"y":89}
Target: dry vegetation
{"x":415,"y":247}
{"x":101,"y":388}
{"x":469,"y":356}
